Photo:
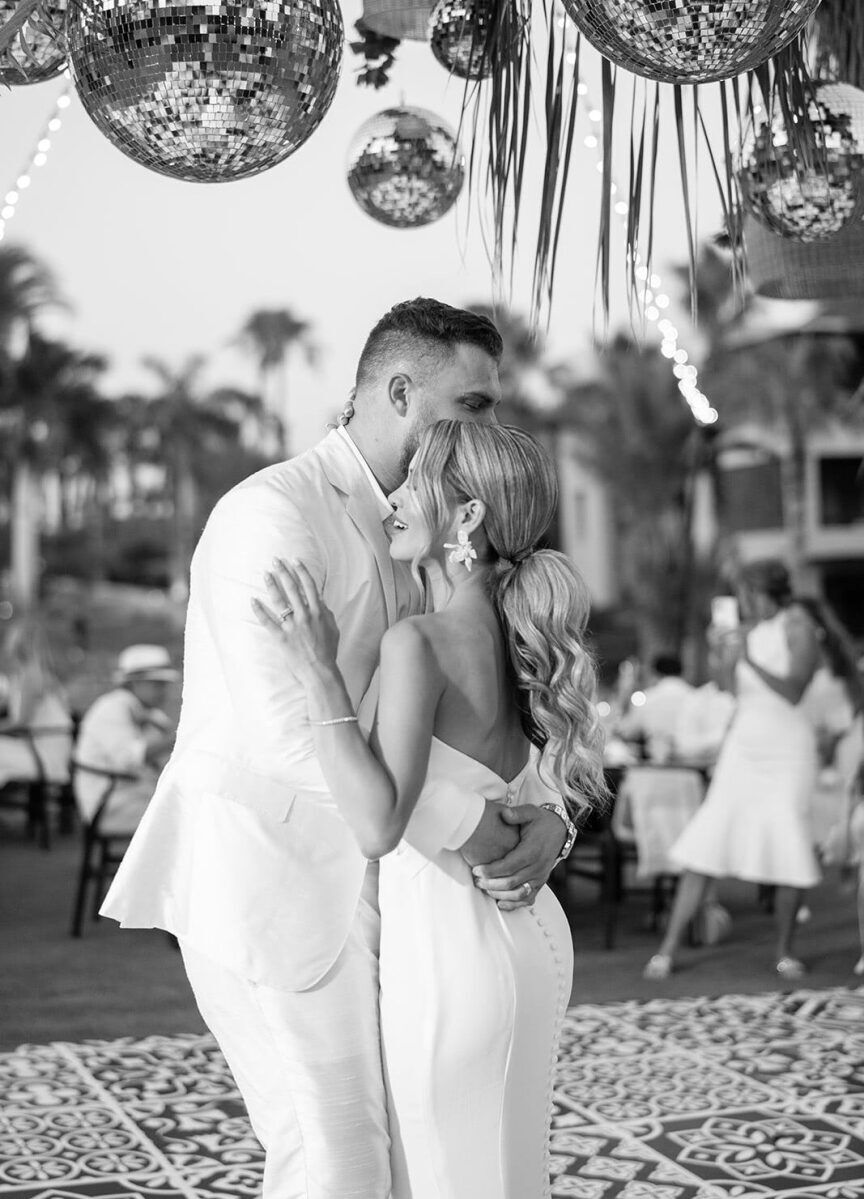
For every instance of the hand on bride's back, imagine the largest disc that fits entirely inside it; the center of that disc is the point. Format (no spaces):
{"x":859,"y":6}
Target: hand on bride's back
{"x":299,"y":619}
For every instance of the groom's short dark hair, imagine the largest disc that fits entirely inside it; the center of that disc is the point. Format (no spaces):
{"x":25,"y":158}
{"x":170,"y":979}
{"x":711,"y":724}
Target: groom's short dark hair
{"x":425,"y":325}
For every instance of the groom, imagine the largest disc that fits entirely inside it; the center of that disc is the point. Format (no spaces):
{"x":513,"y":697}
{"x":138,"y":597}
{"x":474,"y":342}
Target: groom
{"x":242,"y":853}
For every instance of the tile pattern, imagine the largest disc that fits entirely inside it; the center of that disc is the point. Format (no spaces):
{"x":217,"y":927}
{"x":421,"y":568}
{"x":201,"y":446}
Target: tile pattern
{"x":732,"y":1098}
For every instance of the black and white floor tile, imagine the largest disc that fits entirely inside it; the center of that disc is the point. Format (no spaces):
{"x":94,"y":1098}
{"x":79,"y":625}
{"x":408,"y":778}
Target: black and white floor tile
{"x":732,"y":1098}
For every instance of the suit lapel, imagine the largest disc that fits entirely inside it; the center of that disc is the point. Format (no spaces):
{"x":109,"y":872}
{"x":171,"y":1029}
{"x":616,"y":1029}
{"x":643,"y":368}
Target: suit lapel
{"x":345,"y":475}
{"x":363,"y":511}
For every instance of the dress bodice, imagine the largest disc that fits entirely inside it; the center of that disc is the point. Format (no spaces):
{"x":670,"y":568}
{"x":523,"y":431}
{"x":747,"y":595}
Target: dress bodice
{"x":768,"y":647}
{"x":450,"y":765}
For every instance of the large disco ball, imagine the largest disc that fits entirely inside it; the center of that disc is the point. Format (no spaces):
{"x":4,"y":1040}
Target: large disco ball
{"x":816,"y":202}
{"x":38,"y":51}
{"x":460,"y":33}
{"x":206,"y":92}
{"x":689,"y":41}
{"x":402,"y":19}
{"x":405,"y":167}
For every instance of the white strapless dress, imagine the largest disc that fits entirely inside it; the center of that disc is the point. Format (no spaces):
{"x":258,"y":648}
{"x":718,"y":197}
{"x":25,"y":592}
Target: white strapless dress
{"x":755,"y":821}
{"x":472,"y":1002}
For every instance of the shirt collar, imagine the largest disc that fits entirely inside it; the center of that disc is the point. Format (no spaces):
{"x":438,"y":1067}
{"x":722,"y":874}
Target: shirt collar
{"x":380,"y":498}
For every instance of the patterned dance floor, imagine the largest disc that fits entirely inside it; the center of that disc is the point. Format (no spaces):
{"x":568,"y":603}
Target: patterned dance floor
{"x":673,"y":1099}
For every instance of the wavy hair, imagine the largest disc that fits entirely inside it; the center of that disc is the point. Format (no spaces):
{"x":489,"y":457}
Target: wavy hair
{"x":540,"y":597}
{"x":837,"y":647}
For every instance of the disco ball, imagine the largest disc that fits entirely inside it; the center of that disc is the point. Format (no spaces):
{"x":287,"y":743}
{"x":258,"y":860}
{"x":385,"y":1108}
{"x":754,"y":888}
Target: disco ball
{"x":405,"y":167}
{"x":460,"y":32}
{"x":689,"y":41}
{"x":814,"y":203}
{"x":38,"y":50}
{"x":402,"y":19}
{"x":206,"y":92}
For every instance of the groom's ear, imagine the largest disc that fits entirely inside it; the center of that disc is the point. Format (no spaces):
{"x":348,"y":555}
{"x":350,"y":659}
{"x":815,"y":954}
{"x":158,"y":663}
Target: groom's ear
{"x":398,"y":393}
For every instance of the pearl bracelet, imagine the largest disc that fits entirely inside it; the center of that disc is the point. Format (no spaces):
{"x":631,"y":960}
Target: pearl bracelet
{"x":337,"y":720}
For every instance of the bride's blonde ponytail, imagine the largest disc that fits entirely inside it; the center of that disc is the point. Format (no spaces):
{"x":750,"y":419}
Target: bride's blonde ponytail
{"x":543,"y":605}
{"x":540,"y":597}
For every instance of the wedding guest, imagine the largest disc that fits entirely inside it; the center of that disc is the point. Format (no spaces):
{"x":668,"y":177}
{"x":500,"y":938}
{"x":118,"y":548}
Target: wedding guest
{"x":705,"y":714}
{"x":754,"y":823}
{"x":834,"y":705}
{"x":657,"y":718}
{"x":126,"y":731}
{"x":35,"y":700}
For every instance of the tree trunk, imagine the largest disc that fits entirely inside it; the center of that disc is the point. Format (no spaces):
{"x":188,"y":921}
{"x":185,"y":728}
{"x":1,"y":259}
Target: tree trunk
{"x":26,"y":516}
{"x":794,"y":482}
{"x":185,"y":513}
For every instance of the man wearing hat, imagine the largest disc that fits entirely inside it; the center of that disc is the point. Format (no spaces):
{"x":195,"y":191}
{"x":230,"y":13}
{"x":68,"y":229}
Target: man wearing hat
{"x":126,"y":731}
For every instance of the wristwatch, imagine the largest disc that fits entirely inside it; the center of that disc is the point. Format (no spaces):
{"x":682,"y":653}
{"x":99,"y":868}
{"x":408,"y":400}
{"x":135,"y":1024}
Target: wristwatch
{"x":561,"y":812}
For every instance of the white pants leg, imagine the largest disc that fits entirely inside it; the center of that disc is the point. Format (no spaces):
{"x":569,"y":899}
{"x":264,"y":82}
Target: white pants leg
{"x":308,"y":1065}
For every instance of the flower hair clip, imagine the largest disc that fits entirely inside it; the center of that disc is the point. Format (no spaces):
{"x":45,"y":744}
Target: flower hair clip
{"x":463,"y":551}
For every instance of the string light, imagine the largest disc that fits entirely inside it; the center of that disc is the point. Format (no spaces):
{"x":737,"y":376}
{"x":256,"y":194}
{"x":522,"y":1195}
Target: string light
{"x":38,"y":156}
{"x":654,"y":300}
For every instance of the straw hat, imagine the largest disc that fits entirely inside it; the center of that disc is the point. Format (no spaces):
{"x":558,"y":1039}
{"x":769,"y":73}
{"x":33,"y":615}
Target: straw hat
{"x":142,"y":662}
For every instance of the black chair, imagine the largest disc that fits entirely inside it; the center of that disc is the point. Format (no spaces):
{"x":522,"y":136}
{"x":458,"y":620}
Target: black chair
{"x":598,"y":857}
{"x":37,"y":792}
{"x":101,"y":853}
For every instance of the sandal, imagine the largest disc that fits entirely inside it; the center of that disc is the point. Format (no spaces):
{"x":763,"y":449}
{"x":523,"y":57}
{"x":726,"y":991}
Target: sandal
{"x":658,"y":967}
{"x":791,"y":969}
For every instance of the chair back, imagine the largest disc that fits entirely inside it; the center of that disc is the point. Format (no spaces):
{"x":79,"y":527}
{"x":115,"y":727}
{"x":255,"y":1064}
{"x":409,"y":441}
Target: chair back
{"x":90,"y":816}
{"x":662,"y":801}
{"x":51,"y":735}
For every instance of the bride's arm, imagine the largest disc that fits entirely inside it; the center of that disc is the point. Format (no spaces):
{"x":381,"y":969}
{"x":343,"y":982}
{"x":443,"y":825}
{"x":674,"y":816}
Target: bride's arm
{"x":375,"y":794}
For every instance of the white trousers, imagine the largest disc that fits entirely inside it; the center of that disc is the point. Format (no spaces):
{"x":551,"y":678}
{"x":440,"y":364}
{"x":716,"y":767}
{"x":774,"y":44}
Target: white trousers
{"x":308,"y":1065}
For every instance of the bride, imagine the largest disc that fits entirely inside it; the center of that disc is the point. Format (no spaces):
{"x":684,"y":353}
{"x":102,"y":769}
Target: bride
{"x":492,"y":690}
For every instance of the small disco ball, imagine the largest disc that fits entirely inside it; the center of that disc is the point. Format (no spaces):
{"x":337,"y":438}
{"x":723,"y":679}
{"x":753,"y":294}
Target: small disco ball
{"x":206,"y":92}
{"x":813,"y":203}
{"x":689,"y":41}
{"x":405,"y":167}
{"x":460,"y":32}
{"x":38,"y":51}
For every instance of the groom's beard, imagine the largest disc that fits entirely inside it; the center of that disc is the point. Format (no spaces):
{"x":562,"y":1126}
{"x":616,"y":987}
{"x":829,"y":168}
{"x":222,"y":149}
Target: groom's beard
{"x":425,"y":418}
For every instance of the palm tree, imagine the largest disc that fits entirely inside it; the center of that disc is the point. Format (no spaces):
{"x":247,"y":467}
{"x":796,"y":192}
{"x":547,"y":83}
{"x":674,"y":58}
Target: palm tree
{"x":272,"y":335}
{"x":27,"y":288}
{"x":638,"y":436}
{"x":59,"y":431}
{"x":182,"y":428}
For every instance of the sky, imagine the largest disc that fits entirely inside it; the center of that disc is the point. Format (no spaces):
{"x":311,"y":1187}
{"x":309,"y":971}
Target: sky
{"x":155,"y":266}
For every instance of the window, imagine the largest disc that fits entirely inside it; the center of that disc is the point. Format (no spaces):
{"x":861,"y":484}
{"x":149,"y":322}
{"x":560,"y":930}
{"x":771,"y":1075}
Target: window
{"x":841,"y":490}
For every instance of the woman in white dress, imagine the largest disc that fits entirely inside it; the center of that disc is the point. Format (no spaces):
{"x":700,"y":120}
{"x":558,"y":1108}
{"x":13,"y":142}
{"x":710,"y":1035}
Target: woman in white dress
{"x":755,"y":821}
{"x":491,"y":691}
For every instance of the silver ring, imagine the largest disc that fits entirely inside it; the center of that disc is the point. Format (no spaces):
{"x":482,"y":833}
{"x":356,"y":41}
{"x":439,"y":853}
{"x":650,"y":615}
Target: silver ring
{"x":285,"y":613}
{"x":526,"y":889}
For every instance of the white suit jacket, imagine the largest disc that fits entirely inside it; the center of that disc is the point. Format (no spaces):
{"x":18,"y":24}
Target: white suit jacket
{"x":242,"y":851}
